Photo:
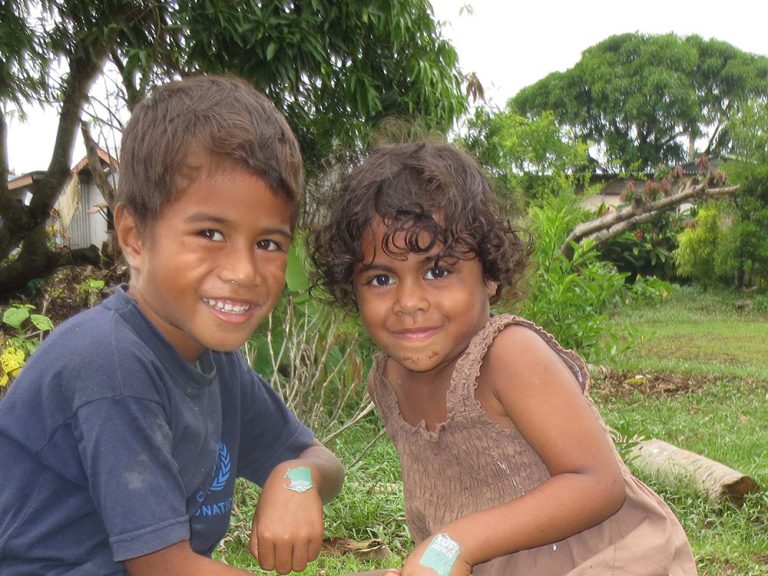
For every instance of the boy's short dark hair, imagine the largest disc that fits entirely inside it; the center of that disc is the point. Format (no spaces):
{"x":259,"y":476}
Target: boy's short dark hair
{"x":414,"y":188}
{"x":221,"y":116}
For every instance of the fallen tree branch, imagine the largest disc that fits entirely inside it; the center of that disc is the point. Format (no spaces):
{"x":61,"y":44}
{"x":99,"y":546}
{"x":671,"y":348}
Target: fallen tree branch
{"x":671,"y":464}
{"x":614,"y":223}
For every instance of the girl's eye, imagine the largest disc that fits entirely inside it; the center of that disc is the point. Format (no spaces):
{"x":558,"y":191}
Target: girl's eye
{"x":436,"y":273}
{"x":381,"y":280}
{"x":213,"y":235}
{"x":268,"y":245}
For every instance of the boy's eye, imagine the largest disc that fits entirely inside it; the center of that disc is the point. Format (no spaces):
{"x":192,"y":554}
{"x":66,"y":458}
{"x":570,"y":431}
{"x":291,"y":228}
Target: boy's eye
{"x":381,"y":280}
{"x":436,"y":273}
{"x":213,"y":235}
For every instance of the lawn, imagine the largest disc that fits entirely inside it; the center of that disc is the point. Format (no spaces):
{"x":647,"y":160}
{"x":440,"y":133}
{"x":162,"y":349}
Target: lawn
{"x":696,"y":376}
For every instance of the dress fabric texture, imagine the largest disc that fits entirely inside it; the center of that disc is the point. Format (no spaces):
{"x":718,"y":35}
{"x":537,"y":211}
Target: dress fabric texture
{"x":470,"y":463}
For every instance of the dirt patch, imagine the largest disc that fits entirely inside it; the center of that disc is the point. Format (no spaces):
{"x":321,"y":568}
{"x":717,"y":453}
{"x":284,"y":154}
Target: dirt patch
{"x":611,"y":382}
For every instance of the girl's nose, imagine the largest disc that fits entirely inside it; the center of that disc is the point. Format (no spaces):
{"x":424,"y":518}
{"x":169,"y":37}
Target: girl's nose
{"x":411,"y":299}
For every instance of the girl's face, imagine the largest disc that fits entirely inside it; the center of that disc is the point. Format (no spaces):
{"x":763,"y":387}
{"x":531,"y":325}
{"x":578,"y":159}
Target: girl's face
{"x":422,"y":315}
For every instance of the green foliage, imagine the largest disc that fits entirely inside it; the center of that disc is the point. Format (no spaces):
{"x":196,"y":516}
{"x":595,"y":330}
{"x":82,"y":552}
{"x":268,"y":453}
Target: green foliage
{"x":571,"y":297}
{"x":315,"y":360}
{"x":642,"y":98}
{"x":697,"y":254}
{"x":334,"y":68}
{"x":23,"y":330}
{"x":535,"y":156}
{"x":648,"y":249}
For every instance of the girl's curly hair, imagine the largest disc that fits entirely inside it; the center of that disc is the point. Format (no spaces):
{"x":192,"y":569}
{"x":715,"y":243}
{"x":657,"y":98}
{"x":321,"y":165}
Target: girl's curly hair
{"x":419,"y":190}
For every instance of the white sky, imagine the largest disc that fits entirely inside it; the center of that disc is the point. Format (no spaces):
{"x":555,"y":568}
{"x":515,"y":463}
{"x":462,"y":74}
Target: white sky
{"x":511,"y":44}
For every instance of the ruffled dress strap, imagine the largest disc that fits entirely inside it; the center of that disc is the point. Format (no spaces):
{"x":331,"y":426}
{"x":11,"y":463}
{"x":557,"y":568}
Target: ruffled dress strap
{"x":461,"y":398}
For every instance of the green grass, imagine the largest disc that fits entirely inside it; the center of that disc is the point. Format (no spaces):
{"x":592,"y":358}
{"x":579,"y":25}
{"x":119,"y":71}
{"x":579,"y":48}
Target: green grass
{"x":696,"y":377}
{"x":716,"y":358}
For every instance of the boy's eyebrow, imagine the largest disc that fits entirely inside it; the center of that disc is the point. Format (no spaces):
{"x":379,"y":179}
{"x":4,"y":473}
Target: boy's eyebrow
{"x":204,"y":218}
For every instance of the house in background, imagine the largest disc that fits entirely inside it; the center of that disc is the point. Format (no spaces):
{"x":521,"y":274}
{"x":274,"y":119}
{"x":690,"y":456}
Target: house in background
{"x":611,"y":187}
{"x":83,"y":212}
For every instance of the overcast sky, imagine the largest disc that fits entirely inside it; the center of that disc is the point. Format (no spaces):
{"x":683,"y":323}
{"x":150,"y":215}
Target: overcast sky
{"x":511,"y":44}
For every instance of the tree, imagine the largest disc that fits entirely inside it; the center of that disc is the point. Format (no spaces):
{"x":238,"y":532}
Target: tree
{"x":335,"y":68}
{"x":645,"y":100}
{"x":531,"y":157}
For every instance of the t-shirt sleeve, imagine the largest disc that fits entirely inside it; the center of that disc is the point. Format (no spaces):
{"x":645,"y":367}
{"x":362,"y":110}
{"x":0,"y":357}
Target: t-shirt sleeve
{"x":270,"y":432}
{"x":126,"y":449}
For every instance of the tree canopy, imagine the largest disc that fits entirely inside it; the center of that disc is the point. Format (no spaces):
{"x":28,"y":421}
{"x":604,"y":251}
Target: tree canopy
{"x":645,"y":100}
{"x":334,"y":67}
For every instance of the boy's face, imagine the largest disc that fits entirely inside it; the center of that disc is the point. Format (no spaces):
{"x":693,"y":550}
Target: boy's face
{"x":422,"y":315}
{"x":212,"y":266}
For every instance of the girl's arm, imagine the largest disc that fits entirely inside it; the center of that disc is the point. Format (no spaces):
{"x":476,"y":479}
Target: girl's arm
{"x":525,"y":381}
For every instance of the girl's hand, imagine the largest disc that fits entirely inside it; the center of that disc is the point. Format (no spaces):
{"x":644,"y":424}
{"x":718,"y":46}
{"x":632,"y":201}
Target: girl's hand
{"x":433,"y":558}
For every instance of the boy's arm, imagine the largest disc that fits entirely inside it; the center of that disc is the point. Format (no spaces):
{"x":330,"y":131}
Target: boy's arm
{"x":179,"y":560}
{"x":288,"y":524}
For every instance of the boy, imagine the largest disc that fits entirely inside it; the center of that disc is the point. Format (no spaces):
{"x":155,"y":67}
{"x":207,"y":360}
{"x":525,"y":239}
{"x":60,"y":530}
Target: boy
{"x":122,"y":438}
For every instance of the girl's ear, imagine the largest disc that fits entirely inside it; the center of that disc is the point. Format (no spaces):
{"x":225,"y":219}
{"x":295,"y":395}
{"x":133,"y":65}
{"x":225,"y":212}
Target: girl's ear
{"x":129,"y":236}
{"x":491,"y":287}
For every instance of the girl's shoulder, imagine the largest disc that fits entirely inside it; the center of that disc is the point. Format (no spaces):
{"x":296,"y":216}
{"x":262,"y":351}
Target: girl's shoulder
{"x":513,"y":343}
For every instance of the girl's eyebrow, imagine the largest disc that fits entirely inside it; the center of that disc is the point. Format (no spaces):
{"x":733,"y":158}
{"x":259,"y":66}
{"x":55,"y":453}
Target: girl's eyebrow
{"x":376,"y":265}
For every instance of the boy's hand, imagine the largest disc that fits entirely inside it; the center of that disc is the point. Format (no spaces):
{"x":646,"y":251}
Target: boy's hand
{"x":288,"y":523}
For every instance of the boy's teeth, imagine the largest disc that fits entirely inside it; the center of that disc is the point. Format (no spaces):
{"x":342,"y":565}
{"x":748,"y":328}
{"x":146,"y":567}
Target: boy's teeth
{"x":226,"y":306}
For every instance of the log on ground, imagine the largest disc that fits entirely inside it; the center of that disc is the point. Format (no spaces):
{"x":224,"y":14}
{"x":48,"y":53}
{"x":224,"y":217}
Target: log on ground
{"x":674,"y":465}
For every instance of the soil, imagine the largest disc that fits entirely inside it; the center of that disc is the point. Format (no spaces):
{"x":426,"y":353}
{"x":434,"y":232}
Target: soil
{"x":611,"y":382}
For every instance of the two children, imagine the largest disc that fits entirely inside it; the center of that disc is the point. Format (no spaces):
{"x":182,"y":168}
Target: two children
{"x":507,"y":465}
{"x":122,"y":438}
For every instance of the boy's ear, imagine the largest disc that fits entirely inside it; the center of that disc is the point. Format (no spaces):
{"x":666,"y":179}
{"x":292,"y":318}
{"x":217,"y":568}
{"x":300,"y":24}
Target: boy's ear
{"x":129,"y":235}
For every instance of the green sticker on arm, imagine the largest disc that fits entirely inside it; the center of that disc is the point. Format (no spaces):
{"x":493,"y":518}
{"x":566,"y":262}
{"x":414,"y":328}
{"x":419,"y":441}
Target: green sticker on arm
{"x":299,"y":479}
{"x":441,"y":555}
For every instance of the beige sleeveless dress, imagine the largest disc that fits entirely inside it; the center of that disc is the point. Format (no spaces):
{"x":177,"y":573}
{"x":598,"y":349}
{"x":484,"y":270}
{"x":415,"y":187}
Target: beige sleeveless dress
{"x":471,"y":463}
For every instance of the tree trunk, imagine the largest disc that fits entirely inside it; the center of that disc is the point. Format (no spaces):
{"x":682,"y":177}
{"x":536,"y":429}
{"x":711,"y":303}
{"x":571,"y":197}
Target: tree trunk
{"x":673,"y":465}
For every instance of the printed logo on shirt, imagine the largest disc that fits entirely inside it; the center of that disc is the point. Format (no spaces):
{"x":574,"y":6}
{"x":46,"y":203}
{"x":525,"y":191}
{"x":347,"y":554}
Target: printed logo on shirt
{"x":223,"y":468}
{"x":221,"y":475}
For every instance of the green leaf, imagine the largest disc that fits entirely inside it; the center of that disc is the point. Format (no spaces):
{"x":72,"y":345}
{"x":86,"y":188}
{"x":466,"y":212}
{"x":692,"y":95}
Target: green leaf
{"x":271,"y":51}
{"x":15,"y":317}
{"x":41,"y":322}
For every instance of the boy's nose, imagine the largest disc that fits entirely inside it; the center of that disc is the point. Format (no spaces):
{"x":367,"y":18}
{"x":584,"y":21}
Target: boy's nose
{"x":240,"y":268}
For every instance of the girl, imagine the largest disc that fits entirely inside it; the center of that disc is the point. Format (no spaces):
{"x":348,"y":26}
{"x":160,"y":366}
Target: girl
{"x":507,"y":466}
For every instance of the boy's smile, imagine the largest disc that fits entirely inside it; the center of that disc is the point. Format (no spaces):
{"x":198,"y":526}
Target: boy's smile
{"x":212,"y":266}
{"x":420,"y":314}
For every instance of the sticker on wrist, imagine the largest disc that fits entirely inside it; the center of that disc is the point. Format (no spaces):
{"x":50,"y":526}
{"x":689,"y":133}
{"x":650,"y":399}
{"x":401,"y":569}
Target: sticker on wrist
{"x":441,"y":555}
{"x":298,"y":479}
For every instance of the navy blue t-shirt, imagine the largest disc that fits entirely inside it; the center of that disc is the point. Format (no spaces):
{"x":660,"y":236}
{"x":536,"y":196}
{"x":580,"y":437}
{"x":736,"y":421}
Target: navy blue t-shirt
{"x":113,"y":446}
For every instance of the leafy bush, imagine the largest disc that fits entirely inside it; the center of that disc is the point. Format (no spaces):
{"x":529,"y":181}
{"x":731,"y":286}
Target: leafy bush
{"x":571,"y":298}
{"x":23,"y":330}
{"x":697,"y":255}
{"x":646,"y":250}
